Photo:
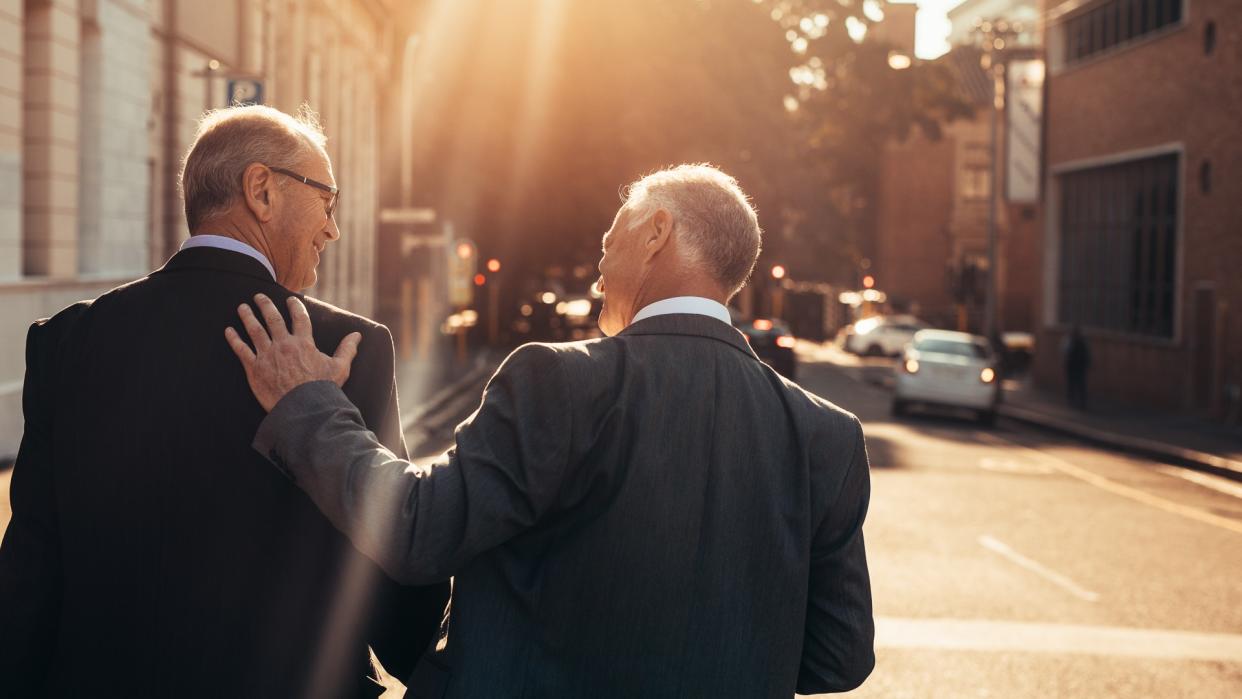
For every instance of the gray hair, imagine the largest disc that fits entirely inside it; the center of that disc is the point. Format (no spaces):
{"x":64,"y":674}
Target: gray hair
{"x":711,"y":215}
{"x":229,"y":140}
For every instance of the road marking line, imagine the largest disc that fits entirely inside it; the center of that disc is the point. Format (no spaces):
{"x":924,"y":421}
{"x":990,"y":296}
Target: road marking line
{"x":1038,"y":637}
{"x":1124,"y":491}
{"x":1216,"y":483}
{"x":996,"y":546}
{"x":1013,"y":466}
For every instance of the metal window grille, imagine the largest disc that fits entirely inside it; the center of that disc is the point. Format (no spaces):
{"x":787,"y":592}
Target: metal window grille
{"x":1116,"y":22}
{"x":1118,"y":253}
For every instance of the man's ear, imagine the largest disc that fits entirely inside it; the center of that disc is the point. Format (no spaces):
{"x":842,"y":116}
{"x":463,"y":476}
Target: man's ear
{"x":259,"y":191}
{"x":657,"y":234}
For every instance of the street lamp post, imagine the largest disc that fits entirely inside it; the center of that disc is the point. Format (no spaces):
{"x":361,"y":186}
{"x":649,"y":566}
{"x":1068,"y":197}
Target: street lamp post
{"x":996,"y":37}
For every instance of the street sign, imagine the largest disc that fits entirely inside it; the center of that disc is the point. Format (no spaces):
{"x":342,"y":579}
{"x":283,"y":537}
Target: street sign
{"x":245,"y":91}
{"x":1024,"y":113}
{"x":407,"y":216}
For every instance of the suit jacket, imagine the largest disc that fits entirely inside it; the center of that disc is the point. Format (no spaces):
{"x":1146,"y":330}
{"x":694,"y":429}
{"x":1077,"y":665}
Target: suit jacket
{"x":657,"y":514}
{"x":152,"y":552}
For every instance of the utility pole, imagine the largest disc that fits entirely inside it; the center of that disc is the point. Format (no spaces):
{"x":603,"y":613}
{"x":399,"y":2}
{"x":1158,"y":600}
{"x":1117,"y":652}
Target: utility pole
{"x":996,"y":38}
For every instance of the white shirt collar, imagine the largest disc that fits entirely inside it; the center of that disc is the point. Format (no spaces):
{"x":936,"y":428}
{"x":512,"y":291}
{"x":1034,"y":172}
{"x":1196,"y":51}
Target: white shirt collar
{"x":225,"y":243}
{"x":685,"y":304}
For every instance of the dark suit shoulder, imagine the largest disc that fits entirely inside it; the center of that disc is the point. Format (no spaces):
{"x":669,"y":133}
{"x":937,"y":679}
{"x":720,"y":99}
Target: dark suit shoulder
{"x":60,"y":324}
{"x":320,"y":310}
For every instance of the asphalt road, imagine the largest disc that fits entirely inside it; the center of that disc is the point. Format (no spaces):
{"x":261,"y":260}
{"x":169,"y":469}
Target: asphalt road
{"x":1009,"y":563}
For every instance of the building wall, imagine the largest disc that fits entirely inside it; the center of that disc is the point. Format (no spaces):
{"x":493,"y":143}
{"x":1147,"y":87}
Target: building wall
{"x":1163,"y":92}
{"x":914,"y":242}
{"x":99,"y":101}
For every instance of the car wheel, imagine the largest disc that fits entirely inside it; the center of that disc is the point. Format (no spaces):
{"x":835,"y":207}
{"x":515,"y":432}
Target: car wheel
{"x":987,"y":418}
{"x":899,"y":408}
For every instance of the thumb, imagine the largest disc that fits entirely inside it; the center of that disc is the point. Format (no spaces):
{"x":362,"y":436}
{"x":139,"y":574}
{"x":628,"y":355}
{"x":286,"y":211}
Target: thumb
{"x":345,"y":353}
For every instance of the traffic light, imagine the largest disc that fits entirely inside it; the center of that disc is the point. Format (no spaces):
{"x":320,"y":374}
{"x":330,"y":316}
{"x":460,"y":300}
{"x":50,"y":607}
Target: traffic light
{"x":868,"y":282}
{"x":479,"y":280}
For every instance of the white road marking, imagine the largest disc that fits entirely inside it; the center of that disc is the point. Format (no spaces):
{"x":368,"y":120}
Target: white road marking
{"x":1124,"y":491}
{"x":996,"y":546}
{"x":1220,"y":485}
{"x":1013,"y":466}
{"x":1037,"y":637}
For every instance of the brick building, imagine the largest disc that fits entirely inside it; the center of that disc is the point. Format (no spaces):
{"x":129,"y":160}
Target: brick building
{"x":98,"y":103}
{"x":1142,"y":181}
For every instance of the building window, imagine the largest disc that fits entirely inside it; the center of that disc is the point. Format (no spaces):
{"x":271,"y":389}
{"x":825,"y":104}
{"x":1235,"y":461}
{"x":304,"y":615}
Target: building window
{"x":1115,"y":22}
{"x":1119,"y":229}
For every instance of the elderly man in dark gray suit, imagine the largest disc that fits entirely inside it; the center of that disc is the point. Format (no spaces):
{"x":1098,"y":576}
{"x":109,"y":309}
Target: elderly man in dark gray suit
{"x":652,"y":514}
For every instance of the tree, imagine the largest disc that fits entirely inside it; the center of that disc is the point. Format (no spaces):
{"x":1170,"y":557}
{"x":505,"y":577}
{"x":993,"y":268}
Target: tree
{"x":534,"y":114}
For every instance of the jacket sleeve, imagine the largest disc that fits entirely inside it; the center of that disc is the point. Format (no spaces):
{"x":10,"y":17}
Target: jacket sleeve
{"x":838,"y":644}
{"x":30,"y":562}
{"x":421,"y":525}
{"x":404,"y":618}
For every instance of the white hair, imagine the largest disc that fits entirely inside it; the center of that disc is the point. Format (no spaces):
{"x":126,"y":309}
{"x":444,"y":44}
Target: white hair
{"x":711,"y":215}
{"x":229,"y":140}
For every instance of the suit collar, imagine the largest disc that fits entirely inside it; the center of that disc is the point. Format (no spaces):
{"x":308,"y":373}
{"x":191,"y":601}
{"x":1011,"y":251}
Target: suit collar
{"x":216,"y":260}
{"x":691,"y":324}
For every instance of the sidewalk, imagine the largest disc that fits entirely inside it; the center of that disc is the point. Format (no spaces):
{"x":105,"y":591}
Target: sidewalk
{"x":1182,"y":439}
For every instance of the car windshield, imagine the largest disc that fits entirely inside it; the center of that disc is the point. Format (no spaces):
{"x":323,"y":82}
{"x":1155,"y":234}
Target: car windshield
{"x":961,"y":349}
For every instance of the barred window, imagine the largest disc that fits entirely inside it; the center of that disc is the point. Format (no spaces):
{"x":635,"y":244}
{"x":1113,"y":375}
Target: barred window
{"x":1119,"y":246}
{"x":1115,"y":22}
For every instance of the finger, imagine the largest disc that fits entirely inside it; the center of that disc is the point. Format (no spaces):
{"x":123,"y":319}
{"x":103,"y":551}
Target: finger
{"x":243,"y":351}
{"x":348,"y":349}
{"x":271,"y":316}
{"x":344,"y":356}
{"x":299,"y":316}
{"x":258,"y":336}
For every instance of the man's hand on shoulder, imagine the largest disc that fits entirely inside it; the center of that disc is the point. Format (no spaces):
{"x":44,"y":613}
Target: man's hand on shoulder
{"x":281,"y":361}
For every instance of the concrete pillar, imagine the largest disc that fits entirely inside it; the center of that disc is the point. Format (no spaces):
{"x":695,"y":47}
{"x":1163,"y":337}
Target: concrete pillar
{"x":50,"y":150}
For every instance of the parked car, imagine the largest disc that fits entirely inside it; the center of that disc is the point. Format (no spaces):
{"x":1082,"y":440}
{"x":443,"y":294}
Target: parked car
{"x":882,"y":335}
{"x":772,"y":341}
{"x":946,"y":368}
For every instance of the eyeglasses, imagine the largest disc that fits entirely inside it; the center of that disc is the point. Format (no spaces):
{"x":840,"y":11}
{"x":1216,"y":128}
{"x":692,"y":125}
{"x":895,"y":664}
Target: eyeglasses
{"x":334,"y":191}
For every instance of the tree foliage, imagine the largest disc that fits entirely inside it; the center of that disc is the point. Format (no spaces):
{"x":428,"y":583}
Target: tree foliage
{"x":532,"y":115}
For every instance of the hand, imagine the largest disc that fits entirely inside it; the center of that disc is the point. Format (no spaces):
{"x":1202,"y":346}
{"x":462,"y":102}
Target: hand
{"x":281,"y":362}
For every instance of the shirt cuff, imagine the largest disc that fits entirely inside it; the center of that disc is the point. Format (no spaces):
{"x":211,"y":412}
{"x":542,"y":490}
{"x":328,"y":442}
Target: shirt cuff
{"x":279,"y":429}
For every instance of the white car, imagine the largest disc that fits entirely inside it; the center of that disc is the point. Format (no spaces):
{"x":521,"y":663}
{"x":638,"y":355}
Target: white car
{"x":942,"y":367}
{"x":882,"y":335}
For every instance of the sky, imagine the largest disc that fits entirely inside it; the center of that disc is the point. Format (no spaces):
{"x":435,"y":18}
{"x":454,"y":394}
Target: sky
{"x":932,"y":26}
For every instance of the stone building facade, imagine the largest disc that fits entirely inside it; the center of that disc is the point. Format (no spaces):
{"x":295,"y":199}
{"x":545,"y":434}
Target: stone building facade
{"x":98,"y":102}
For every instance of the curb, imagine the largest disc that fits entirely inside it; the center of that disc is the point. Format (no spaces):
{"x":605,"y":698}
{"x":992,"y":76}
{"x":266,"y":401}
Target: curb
{"x":1180,"y":456}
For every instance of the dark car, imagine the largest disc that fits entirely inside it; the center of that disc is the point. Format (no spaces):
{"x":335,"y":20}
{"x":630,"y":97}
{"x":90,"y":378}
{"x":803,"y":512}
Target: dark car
{"x":772,"y":341}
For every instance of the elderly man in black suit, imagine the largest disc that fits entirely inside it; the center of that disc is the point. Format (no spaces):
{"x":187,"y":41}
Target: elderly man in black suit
{"x":652,"y":514}
{"x":150,"y":553}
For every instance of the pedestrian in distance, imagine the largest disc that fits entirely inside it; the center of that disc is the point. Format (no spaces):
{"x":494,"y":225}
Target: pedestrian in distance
{"x":655,"y":513}
{"x":152,"y":552}
{"x":1077,"y":356}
